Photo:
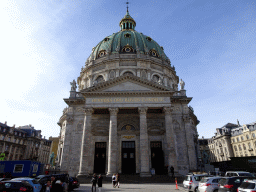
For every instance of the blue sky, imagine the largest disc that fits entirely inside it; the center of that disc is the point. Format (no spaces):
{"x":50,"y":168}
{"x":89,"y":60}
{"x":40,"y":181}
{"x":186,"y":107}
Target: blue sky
{"x":44,"y":44}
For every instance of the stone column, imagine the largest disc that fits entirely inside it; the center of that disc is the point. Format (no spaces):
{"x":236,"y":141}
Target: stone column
{"x":170,"y":139}
{"x":86,"y":144}
{"x":112,"y":144}
{"x":190,"y":144}
{"x":144,"y":145}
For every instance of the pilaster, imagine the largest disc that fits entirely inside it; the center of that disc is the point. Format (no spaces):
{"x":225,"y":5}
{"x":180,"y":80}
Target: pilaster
{"x":170,"y":139}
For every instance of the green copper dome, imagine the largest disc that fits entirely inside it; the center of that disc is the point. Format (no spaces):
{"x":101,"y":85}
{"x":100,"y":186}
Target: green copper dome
{"x":128,"y":41}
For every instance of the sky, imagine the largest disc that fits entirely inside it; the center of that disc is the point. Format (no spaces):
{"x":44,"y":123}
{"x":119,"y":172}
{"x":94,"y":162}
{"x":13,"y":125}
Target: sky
{"x":44,"y":44}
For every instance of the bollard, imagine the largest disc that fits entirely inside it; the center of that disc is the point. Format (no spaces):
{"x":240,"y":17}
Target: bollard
{"x":176,"y":184}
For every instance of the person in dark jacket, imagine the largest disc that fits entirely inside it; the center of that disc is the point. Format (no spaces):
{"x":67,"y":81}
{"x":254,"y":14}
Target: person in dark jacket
{"x":47,"y":187}
{"x":56,"y":187}
{"x":100,"y":182}
{"x":172,"y":171}
{"x":118,"y":180}
{"x":94,"y":181}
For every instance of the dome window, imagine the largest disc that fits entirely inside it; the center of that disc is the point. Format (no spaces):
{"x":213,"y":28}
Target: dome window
{"x":102,"y":53}
{"x":149,"y":38}
{"x":127,"y":35}
{"x":128,"y":73}
{"x":128,"y":49}
{"x":153,"y":53}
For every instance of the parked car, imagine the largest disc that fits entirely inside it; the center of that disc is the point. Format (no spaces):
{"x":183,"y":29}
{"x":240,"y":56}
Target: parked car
{"x":230,"y":183}
{"x":15,"y":185}
{"x":209,"y":184}
{"x":238,"y":173}
{"x":36,"y":186}
{"x":42,"y":179}
{"x":5,"y":179}
{"x":191,"y":181}
{"x":73,"y":183}
{"x":247,"y":186}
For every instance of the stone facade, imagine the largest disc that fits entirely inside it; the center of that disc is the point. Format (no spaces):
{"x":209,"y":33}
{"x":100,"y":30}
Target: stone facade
{"x":128,"y":115}
{"x":243,"y":140}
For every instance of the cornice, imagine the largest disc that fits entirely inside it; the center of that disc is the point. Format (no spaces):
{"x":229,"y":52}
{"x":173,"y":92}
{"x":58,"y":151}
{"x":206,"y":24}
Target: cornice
{"x":116,"y":80}
{"x":75,"y":101}
{"x":159,"y":93}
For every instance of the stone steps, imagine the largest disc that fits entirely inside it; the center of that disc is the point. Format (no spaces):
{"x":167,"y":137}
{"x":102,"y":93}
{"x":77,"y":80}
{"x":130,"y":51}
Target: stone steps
{"x":135,"y":178}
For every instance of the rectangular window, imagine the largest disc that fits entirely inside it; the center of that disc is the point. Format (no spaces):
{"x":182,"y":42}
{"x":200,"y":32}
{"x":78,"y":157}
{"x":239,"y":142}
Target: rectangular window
{"x":35,"y":167}
{"x":9,"y":138}
{"x":18,"y":168}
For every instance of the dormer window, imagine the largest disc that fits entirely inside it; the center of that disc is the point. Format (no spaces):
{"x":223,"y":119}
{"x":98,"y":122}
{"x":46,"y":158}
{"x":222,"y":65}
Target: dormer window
{"x":127,"y":35}
{"x":4,"y":129}
{"x":149,"y":39}
{"x":106,"y":39}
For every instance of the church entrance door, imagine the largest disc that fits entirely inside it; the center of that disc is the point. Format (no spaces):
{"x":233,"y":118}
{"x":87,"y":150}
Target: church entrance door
{"x":100,"y":157}
{"x":128,"y":157}
{"x":157,"y":157}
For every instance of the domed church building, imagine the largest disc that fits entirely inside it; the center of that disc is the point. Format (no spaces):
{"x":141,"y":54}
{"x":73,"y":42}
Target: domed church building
{"x":128,"y":115}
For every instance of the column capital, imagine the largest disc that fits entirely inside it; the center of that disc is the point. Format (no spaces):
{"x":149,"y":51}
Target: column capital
{"x":143,"y":110}
{"x":113,"y":110}
{"x":88,"y":110}
{"x":168,"y":110}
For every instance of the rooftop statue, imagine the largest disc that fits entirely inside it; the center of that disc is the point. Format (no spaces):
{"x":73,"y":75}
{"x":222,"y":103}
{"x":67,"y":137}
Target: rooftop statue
{"x":73,"y":85}
{"x":182,"y":84}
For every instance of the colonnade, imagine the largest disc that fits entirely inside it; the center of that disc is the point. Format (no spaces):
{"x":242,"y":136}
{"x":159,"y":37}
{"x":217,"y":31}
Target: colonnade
{"x":86,"y":158}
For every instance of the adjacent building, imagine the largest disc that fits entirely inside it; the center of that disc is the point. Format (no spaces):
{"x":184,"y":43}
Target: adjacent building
{"x":12,"y":142}
{"x":128,"y":115}
{"x":23,"y":143}
{"x":204,"y":158}
{"x":243,"y":140}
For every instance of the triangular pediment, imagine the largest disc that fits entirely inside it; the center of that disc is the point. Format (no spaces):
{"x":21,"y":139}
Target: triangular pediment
{"x":127,"y":84}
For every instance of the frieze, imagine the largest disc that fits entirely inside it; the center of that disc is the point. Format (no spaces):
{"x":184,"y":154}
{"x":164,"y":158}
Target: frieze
{"x":129,"y":100}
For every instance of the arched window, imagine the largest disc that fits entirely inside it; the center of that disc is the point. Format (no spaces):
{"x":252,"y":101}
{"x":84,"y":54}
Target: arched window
{"x":128,"y":73}
{"x":247,"y":137}
{"x":156,"y":78}
{"x":249,"y":145}
{"x":253,"y":135}
{"x":242,"y":138}
{"x":112,"y":74}
{"x":244,"y":146}
{"x":240,"y":148}
{"x":100,"y":79}
{"x":237,"y":139}
{"x":144,"y":74}
{"x":235,"y":148}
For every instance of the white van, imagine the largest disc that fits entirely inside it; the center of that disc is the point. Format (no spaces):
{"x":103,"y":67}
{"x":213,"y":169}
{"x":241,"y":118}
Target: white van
{"x":238,"y":173}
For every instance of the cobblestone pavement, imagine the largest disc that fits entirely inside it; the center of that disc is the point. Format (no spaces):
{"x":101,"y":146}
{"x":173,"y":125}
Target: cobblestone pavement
{"x":135,"y":187}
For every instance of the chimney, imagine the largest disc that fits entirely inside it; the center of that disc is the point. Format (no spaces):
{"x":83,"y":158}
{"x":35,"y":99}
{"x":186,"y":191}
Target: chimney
{"x":238,"y":123}
{"x":13,"y":125}
{"x":5,"y":122}
{"x":202,"y":137}
{"x":44,"y":137}
{"x":30,"y":125}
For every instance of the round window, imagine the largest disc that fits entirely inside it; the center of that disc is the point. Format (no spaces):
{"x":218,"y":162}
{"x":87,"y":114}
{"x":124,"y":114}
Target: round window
{"x":102,"y":53}
{"x":127,"y":49}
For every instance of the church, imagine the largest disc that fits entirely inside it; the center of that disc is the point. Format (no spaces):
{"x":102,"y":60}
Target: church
{"x":125,"y":112}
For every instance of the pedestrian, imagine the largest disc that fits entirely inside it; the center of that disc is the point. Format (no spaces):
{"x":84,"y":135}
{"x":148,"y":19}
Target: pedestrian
{"x":114,"y":180}
{"x":172,"y":171}
{"x":100,"y":182}
{"x":53,"y":184}
{"x":118,"y":180}
{"x":64,"y":185}
{"x":47,"y":187}
{"x":94,"y":181}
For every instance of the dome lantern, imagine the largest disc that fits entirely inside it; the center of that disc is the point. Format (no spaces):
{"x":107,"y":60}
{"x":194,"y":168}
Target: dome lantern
{"x":127,"y":23}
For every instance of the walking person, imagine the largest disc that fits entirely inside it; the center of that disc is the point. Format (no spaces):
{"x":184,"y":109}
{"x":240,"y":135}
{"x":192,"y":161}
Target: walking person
{"x":47,"y":187}
{"x":64,"y":185}
{"x":94,"y":181}
{"x":118,"y":180}
{"x":100,"y":182}
{"x":172,"y":171}
{"x":114,"y":180}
